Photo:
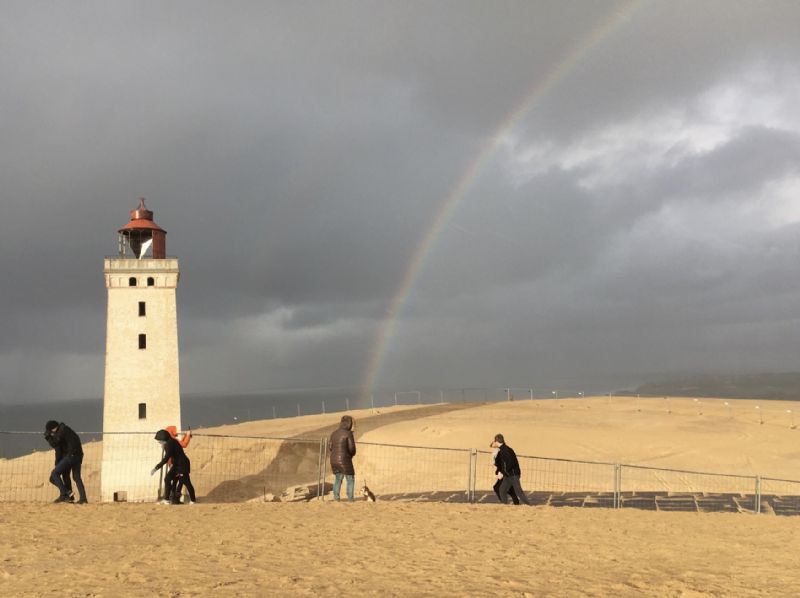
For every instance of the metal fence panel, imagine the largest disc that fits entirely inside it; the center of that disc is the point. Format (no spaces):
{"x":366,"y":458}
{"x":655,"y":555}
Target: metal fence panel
{"x":410,"y":473}
{"x":552,"y":481}
{"x":679,"y":490}
{"x":224,"y":468}
{"x":237,"y":469}
{"x":26,"y":477}
{"x":781,"y":497}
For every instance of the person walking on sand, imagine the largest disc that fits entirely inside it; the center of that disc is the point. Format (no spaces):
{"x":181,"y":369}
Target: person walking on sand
{"x":181,"y":466}
{"x":343,"y":448}
{"x":508,"y":465}
{"x":69,"y":457}
{"x":496,"y":487}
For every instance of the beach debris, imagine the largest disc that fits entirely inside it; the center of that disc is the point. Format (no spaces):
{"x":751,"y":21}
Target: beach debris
{"x":296,"y":494}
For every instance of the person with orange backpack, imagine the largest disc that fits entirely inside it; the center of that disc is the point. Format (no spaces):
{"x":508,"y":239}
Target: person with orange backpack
{"x":181,"y":467}
{"x":175,"y":491}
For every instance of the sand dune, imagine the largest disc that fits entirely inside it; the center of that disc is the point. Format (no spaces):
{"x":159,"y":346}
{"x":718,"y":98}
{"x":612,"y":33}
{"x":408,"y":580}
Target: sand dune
{"x":681,"y":433}
{"x":412,"y":549}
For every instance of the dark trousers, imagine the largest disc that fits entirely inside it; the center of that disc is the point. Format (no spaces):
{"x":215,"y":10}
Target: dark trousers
{"x":175,"y":481}
{"x":511,"y":481}
{"x":183,"y":480}
{"x":511,"y":492}
{"x":70,"y":463}
{"x":67,"y":482}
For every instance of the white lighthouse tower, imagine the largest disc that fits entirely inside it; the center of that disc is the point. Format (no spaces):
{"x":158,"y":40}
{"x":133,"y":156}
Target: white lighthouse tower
{"x":142,"y":386}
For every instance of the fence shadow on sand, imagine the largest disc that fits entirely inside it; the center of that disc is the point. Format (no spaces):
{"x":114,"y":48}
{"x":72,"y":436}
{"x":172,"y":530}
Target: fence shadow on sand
{"x":285,"y":463}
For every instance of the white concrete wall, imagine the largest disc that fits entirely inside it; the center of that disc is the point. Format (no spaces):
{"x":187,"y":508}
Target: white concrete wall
{"x":134,"y":376}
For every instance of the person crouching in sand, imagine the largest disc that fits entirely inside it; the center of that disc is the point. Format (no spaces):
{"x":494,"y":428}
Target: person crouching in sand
{"x":343,"y":448}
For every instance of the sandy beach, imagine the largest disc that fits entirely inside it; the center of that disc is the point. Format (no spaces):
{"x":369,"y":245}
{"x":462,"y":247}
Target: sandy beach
{"x":391,"y":548}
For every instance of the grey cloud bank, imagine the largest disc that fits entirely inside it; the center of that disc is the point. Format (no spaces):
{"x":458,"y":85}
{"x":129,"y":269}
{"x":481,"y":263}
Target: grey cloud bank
{"x":642,"y":216}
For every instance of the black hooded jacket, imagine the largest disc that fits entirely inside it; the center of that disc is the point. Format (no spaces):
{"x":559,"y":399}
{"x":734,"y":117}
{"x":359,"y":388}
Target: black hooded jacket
{"x":173,"y":450}
{"x":507,"y":462}
{"x":65,"y":442}
{"x":343,"y":447}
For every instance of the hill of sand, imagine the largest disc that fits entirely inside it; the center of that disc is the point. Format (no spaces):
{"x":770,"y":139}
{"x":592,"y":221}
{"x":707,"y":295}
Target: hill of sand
{"x":745,"y":437}
{"x":411,"y":549}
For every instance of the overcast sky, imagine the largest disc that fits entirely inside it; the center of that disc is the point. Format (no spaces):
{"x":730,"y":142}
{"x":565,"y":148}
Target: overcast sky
{"x":629,"y":200}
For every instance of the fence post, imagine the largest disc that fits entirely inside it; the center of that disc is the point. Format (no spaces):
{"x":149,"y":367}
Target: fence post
{"x":758,"y":494}
{"x":323,"y":467}
{"x":617,"y":486}
{"x":319,"y":467}
{"x":470,"y":478}
{"x":474,"y":460}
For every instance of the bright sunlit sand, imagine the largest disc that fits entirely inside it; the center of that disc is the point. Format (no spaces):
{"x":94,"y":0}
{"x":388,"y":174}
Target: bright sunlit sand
{"x":709,"y":435}
{"x":408,"y":549}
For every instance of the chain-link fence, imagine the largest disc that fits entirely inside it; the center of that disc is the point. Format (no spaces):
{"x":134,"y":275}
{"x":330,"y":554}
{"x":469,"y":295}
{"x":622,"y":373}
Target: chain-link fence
{"x":680,"y":490}
{"x":224,"y":468}
{"x":244,"y":468}
{"x":558,"y":482}
{"x":237,"y":468}
{"x":781,"y":497}
{"x":412,"y":472}
{"x":25,"y":478}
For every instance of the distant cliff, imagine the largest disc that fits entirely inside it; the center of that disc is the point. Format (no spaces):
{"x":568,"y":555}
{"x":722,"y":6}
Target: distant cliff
{"x":784,"y":386}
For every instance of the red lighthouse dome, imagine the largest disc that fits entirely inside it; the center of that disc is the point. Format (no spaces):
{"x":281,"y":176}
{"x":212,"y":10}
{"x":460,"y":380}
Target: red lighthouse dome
{"x":142,"y":234}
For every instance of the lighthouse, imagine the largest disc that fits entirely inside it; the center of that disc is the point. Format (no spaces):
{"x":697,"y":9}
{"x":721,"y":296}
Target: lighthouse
{"x":142,"y":388}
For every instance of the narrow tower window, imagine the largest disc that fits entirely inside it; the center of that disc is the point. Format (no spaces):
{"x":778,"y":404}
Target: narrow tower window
{"x":151,"y":282}
{"x":143,"y":341}
{"x":142,"y":311}
{"x":132,"y":281}
{"x":142,"y":410}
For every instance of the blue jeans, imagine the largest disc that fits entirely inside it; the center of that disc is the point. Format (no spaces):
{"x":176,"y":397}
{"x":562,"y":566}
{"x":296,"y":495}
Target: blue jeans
{"x":337,"y":485}
{"x":69,"y":463}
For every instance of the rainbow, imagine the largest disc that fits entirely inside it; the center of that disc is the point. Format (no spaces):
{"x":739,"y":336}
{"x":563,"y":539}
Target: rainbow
{"x":619,"y":16}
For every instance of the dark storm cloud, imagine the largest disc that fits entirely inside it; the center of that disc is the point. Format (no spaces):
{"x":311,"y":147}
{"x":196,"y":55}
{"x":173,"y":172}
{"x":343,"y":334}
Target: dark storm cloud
{"x":640,"y":217}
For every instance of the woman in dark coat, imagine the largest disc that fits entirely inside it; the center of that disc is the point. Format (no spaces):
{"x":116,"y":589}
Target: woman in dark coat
{"x":343,"y":448}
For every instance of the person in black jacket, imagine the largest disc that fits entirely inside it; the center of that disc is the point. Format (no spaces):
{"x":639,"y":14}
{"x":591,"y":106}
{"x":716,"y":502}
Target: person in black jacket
{"x":511,"y":492}
{"x":508,"y":465}
{"x":65,"y":479}
{"x":69,"y":457}
{"x":179,"y":472}
{"x":342,"y":446}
